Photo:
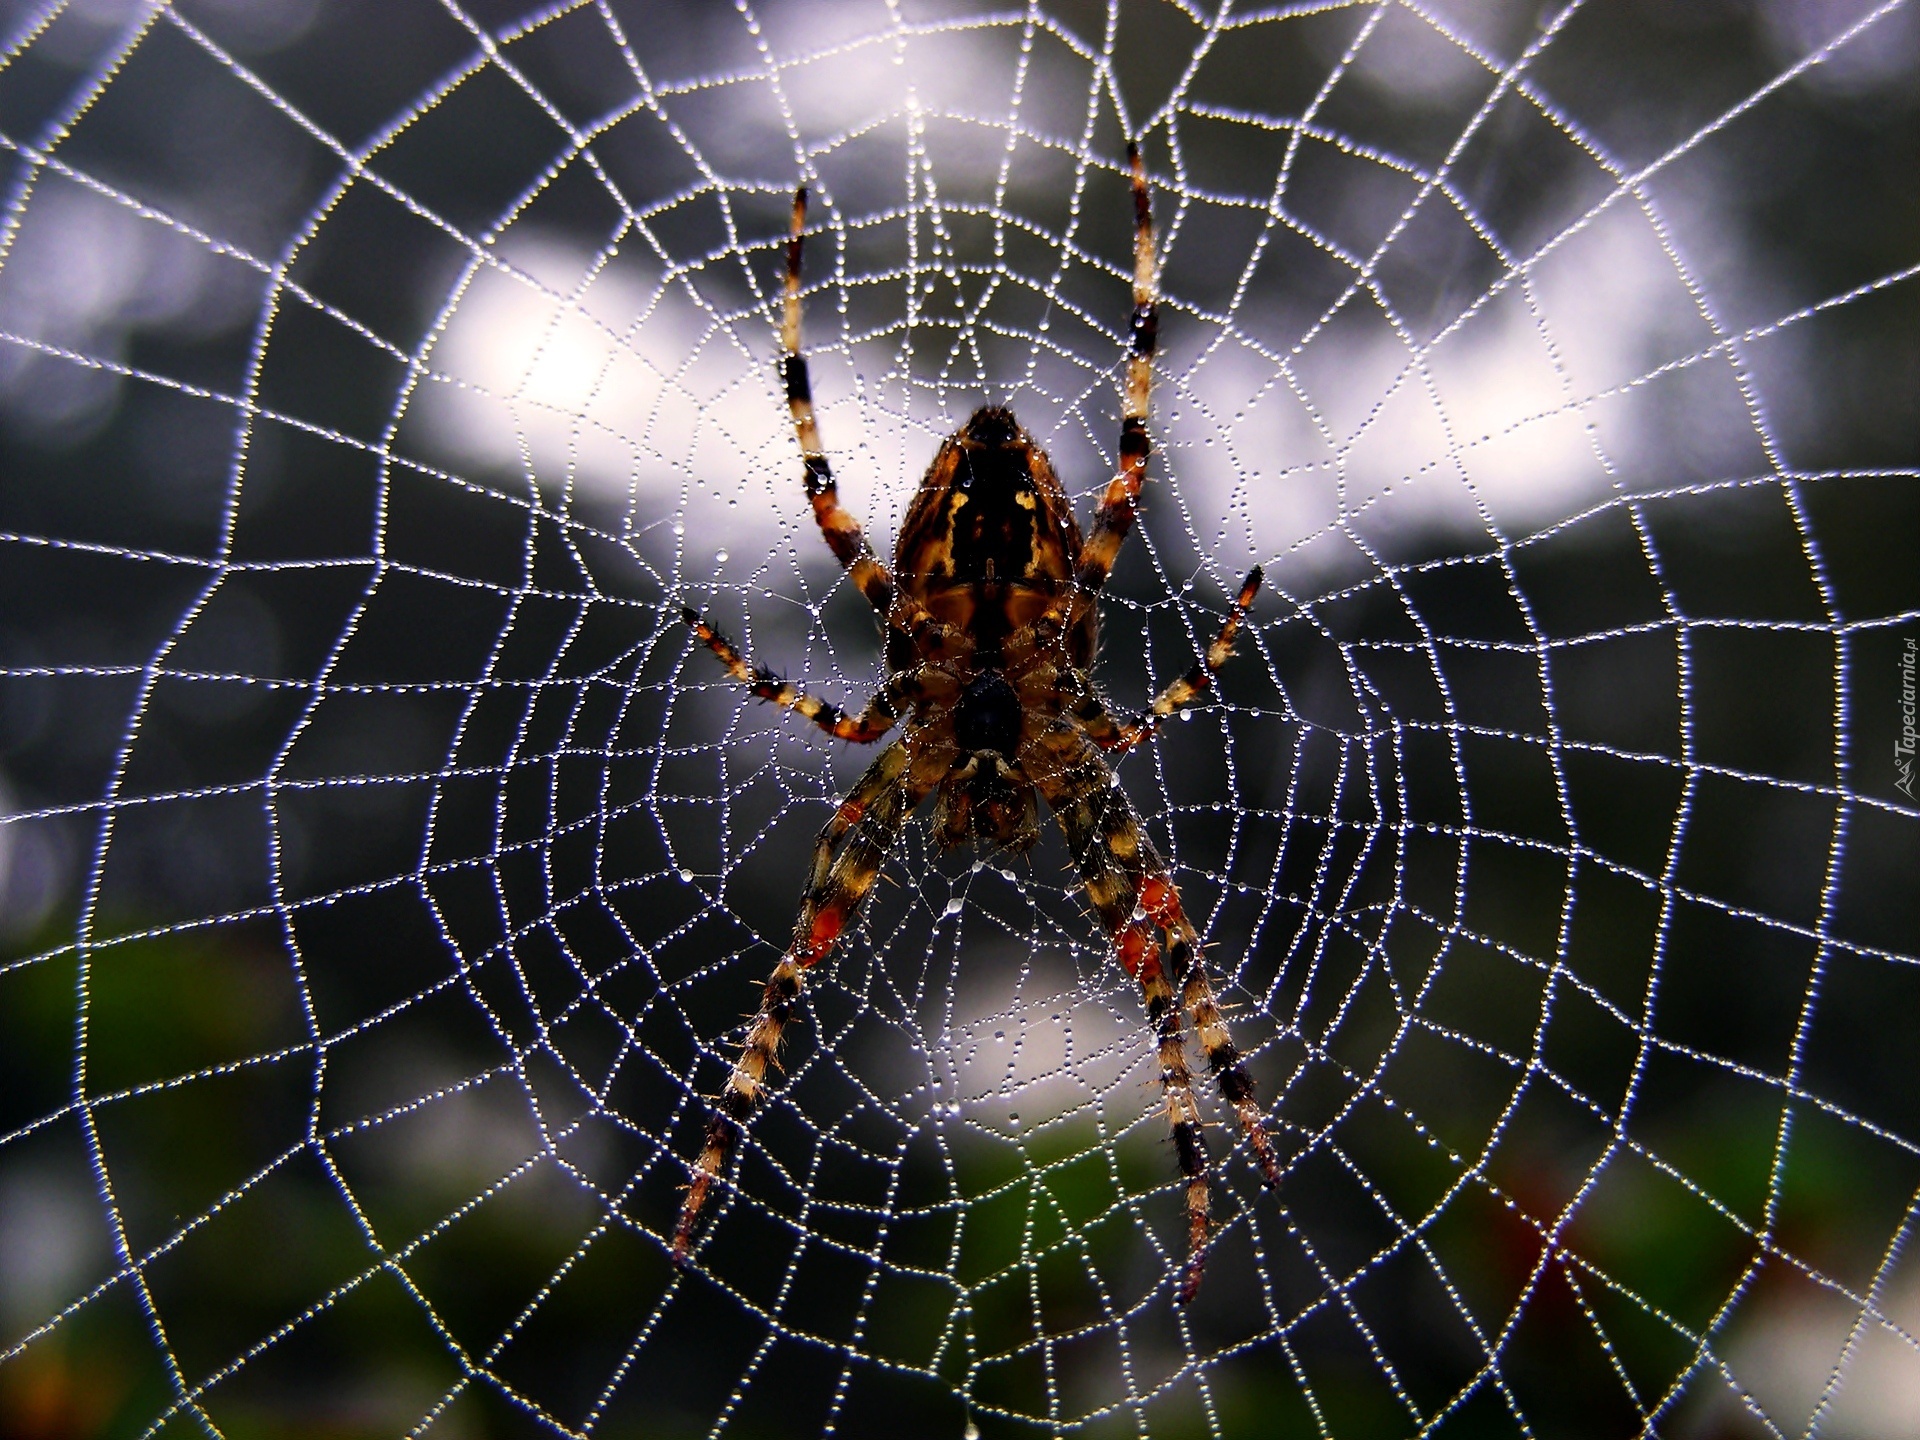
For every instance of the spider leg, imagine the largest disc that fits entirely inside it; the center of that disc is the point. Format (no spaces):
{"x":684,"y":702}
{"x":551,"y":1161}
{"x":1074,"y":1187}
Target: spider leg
{"x":868,"y":821}
{"x":1103,"y":837}
{"x":1110,"y":734}
{"x":863,"y":729}
{"x":1121,"y":503}
{"x":837,"y":526}
{"x":1160,"y":898}
{"x":1133,"y":893}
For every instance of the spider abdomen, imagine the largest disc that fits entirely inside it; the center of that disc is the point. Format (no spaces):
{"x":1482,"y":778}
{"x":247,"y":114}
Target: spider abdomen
{"x":989,"y":511}
{"x":989,"y":542}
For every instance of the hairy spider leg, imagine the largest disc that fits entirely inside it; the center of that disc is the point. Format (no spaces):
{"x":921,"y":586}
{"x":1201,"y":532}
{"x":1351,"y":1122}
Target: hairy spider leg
{"x":869,"y":821}
{"x":1110,"y":734}
{"x":838,"y":527}
{"x":1102,"y":833}
{"x":1100,"y":828}
{"x":1158,"y":901}
{"x":1121,"y":503}
{"x":1133,"y":894}
{"x":862,"y":729}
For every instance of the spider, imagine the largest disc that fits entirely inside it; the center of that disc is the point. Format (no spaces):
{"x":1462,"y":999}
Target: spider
{"x":990,"y":625}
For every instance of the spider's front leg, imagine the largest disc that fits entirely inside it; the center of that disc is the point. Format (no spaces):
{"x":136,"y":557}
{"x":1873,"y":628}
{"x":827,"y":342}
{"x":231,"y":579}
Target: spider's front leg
{"x":1133,"y":894}
{"x":869,"y":822}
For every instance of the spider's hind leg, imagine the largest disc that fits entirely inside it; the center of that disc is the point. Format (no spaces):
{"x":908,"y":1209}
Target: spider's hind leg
{"x":1121,"y":503}
{"x":837,"y":526}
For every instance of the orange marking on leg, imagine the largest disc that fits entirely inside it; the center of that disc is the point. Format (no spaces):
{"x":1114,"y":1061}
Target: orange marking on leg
{"x":1137,"y":952}
{"x":1197,"y":1219}
{"x":1161,"y":901}
{"x":689,"y":1216}
{"x":821,"y":934}
{"x":1123,"y":491}
{"x":1249,"y":589}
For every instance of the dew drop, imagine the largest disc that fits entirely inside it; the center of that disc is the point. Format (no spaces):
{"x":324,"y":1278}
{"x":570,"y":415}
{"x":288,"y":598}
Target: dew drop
{"x":686,"y":874}
{"x":999,"y":1036}
{"x":1185,"y":713}
{"x":720,"y":556}
{"x":954,"y":906}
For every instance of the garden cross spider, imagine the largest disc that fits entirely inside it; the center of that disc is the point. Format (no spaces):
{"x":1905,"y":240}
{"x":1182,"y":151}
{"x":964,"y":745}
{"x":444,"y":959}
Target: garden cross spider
{"x":990,"y":622}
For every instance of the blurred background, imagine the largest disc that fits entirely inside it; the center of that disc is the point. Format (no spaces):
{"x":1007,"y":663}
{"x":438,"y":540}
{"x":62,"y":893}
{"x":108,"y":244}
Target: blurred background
{"x":383,"y":871}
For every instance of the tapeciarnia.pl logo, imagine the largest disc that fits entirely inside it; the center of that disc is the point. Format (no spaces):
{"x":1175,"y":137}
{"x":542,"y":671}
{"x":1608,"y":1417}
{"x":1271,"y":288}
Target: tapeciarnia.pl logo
{"x":1903,"y":747}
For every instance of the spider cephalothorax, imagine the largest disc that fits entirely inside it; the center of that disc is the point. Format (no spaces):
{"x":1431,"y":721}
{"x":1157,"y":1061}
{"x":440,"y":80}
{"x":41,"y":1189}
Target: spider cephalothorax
{"x":991,"y":624}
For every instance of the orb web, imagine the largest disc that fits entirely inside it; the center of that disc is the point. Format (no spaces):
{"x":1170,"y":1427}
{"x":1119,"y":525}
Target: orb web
{"x":385,"y":869}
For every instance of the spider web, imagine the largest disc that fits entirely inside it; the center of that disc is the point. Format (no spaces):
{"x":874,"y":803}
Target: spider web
{"x":385,"y":871}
